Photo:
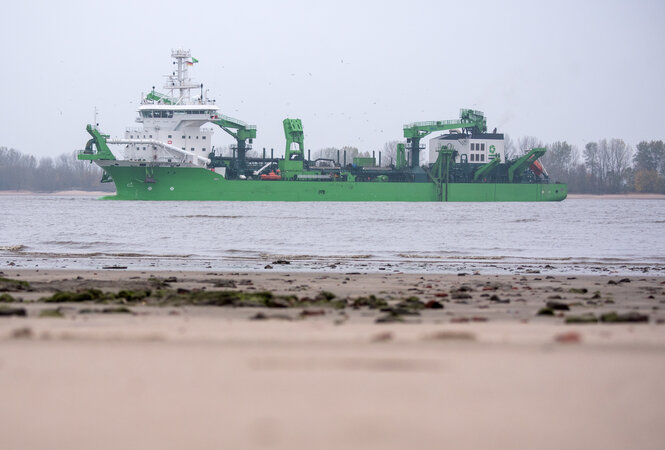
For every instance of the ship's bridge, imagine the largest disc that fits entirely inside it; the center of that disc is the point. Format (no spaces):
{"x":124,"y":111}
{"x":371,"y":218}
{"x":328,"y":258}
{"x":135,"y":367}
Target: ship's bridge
{"x":182,"y":111}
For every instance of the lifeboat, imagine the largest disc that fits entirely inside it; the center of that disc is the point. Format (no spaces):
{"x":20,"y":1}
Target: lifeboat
{"x":537,"y":168}
{"x":271,"y":176}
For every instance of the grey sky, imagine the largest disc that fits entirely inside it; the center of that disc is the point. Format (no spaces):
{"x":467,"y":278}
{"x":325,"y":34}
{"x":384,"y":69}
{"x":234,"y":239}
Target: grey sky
{"x":353,"y":71}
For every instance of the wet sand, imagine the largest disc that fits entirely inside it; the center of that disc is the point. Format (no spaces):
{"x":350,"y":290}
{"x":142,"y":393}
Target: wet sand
{"x":485,"y":370}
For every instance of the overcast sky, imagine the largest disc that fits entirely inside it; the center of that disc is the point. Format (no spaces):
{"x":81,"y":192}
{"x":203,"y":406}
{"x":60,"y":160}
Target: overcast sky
{"x":353,"y":71}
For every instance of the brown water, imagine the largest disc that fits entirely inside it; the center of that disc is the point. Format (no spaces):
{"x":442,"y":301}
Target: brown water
{"x":574,"y":236}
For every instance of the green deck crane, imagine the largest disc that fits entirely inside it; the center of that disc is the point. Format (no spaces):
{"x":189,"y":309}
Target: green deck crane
{"x":293,"y":158}
{"x":242,"y":133}
{"x":469,"y":119}
{"x":524,"y":161}
{"x":97,"y":142}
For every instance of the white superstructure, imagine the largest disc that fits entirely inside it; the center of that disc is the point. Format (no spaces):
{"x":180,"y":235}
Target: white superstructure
{"x":172,"y":123}
{"x":476,"y":149}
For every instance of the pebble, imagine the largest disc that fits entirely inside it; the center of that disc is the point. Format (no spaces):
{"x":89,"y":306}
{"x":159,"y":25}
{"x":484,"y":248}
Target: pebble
{"x":382,"y":337}
{"x":450,"y":335}
{"x":571,"y":337}
{"x":433,"y":304}
{"x":558,"y":306}
{"x":22,"y":333}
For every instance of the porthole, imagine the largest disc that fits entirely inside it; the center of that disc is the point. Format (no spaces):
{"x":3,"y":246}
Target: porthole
{"x":172,"y":188}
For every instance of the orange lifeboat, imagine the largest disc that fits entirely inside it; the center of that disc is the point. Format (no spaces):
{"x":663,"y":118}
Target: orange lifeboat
{"x":271,"y":176}
{"x":537,"y":168}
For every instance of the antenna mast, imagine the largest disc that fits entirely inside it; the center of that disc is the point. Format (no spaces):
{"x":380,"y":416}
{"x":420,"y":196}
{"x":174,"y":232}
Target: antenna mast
{"x":179,"y":79}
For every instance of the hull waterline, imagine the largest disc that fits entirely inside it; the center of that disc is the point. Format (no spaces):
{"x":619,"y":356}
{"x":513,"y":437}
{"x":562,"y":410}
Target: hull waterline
{"x":199,"y":184}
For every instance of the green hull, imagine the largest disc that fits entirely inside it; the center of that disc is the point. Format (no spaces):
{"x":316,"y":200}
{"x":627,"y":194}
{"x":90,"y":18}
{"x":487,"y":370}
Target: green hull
{"x":183,"y":183}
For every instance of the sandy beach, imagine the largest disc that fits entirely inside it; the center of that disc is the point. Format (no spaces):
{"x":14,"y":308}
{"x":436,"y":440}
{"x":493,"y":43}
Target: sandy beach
{"x":320,"y":360}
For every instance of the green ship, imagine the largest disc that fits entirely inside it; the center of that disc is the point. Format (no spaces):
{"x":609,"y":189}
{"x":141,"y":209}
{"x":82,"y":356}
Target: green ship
{"x":171,"y":158}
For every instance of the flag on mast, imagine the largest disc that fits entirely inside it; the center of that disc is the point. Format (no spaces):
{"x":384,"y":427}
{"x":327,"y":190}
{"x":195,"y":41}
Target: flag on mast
{"x":192,"y":62}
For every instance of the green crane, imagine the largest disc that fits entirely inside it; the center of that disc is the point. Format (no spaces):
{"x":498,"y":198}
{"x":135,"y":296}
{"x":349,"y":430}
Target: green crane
{"x":525,"y":161}
{"x":242,"y":133}
{"x":293,"y":158}
{"x":98,"y":141}
{"x":469,"y":119}
{"x":294,"y":135}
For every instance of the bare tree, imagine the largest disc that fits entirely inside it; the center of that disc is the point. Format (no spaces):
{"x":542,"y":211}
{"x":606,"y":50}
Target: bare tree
{"x":527,"y":143}
{"x":618,"y":157}
{"x":389,"y":153}
{"x":327,"y":153}
{"x":608,"y":165}
{"x":509,"y":149}
{"x":560,"y":160}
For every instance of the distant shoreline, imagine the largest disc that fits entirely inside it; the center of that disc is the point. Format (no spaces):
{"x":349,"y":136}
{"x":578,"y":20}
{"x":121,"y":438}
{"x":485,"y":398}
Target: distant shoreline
{"x":55,"y":193}
{"x":635,"y":196}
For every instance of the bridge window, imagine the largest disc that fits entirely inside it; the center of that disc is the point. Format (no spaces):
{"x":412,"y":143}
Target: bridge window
{"x":157,"y":114}
{"x":203,"y":137}
{"x":169,"y":136}
{"x":482,"y":146}
{"x":482,"y":157}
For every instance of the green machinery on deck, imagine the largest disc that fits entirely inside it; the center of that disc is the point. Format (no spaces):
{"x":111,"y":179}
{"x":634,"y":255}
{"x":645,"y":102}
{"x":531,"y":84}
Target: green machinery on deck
{"x":473,"y":121}
{"x":240,"y":131}
{"x":293,"y":162}
{"x":296,"y":178}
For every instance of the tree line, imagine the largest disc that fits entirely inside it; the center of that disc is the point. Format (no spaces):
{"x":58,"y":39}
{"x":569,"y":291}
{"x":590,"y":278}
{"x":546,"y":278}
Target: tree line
{"x":20,"y":172}
{"x":607,"y":166}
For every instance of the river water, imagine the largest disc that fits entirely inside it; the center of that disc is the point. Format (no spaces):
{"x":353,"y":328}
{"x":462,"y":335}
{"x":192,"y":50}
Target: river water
{"x":573,"y":236}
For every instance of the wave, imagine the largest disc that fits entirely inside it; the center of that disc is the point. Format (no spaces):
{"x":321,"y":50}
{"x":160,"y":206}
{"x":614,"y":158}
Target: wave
{"x":43,"y":254}
{"x":12,"y":248}
{"x":315,"y":257}
{"x":449,"y":257}
{"x":78,"y":244}
{"x":210,"y":216}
